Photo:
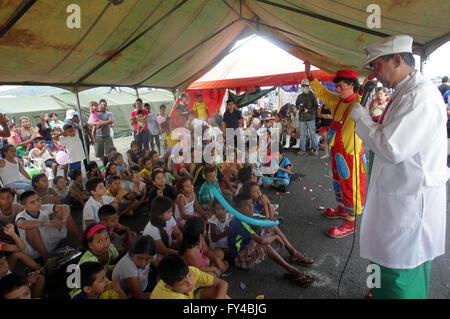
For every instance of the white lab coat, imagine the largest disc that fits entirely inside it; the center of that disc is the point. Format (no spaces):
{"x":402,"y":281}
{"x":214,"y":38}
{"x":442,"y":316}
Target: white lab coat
{"x":403,"y":224}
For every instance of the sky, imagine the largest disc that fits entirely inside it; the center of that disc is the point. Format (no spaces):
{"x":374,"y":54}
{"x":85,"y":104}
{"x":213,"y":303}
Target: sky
{"x":437,"y":65}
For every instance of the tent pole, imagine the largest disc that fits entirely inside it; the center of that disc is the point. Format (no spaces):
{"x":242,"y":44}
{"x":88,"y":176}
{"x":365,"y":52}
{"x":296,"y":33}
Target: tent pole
{"x":137,"y":92}
{"x":81,"y":123}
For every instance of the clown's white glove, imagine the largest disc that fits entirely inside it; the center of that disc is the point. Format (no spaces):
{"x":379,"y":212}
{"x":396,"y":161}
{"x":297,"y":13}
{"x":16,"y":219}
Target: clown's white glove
{"x":359,"y":112}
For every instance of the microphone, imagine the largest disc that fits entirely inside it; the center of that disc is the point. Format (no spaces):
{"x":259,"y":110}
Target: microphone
{"x":368,"y":88}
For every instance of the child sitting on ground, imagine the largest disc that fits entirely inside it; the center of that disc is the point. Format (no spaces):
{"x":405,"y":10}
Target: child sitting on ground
{"x":136,"y":271}
{"x":111,"y":169}
{"x":109,"y":217}
{"x":117,"y":189}
{"x":78,"y":195}
{"x":219,"y":223}
{"x":60,"y":187}
{"x":108,"y":157}
{"x":14,"y":286}
{"x":195,"y":252}
{"x":181,"y":169}
{"x":36,"y":280}
{"x":133,"y":155}
{"x":95,"y":285}
{"x":200,"y":178}
{"x":98,"y":198}
{"x":138,"y":188}
{"x":45,"y":193}
{"x":178,"y":281}
{"x":187,"y":205}
{"x":146,"y":171}
{"x":41,"y":152}
{"x":279,"y":180}
{"x":204,"y":194}
{"x":261,"y":201}
{"x":160,"y":188}
{"x":162,"y":226}
{"x":123,"y":168}
{"x":98,"y":248}
{"x":42,"y":227}
{"x":245,"y":174}
{"x":14,"y":251}
{"x":8,"y":209}
{"x":250,"y":245}
{"x":93,"y":171}
{"x":154,"y":156}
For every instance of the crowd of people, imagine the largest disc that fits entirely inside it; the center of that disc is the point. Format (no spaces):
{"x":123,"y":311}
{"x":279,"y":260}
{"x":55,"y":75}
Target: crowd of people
{"x":190,"y":239}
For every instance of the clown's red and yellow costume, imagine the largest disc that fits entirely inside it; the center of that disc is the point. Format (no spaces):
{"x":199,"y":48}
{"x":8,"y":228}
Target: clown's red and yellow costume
{"x":348,"y":177}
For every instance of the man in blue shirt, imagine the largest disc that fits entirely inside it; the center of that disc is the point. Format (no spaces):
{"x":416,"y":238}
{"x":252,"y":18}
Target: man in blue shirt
{"x":281,"y":179}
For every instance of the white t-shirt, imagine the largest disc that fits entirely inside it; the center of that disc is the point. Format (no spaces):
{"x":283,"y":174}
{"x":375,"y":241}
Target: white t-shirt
{"x":50,"y":235}
{"x":220,"y":227}
{"x":45,"y":156}
{"x":90,"y":210}
{"x":74,"y":148}
{"x":126,"y":268}
{"x":154,"y":232}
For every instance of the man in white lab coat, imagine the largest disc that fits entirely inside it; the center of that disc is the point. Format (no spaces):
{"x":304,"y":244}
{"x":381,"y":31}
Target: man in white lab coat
{"x":403,"y":228}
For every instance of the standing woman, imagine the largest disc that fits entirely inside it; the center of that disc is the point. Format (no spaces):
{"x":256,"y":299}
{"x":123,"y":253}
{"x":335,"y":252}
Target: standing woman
{"x":45,"y":130}
{"x":27,"y":133}
{"x":325,"y":116}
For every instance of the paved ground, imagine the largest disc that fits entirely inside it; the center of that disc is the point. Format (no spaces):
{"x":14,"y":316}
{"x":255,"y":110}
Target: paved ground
{"x":306,"y":228}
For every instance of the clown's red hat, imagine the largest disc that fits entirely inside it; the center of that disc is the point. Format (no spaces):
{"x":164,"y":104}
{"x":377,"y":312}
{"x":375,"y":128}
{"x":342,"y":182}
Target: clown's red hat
{"x":347,"y":74}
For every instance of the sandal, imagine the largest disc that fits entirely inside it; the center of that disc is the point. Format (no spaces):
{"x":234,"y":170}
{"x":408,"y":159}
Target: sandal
{"x":306,"y":262}
{"x":302,"y":281}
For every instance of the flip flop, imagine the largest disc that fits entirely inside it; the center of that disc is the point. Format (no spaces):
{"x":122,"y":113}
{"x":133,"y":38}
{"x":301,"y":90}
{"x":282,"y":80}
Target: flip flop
{"x":301,"y":281}
{"x":301,"y":262}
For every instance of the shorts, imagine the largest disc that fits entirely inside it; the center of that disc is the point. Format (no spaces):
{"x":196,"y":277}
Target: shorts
{"x":102,"y":145}
{"x":49,"y":162}
{"x":75,"y":165}
{"x":324,"y":129}
{"x":254,"y":253}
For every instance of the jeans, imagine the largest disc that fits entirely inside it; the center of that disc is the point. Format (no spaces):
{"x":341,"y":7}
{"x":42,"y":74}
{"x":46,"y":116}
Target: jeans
{"x":267,"y":181}
{"x":154,"y":139}
{"x":142,"y":139}
{"x":312,"y":130}
{"x":21,"y":185}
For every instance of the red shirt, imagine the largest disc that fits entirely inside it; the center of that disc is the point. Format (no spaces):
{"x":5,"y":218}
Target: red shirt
{"x":134,"y":115}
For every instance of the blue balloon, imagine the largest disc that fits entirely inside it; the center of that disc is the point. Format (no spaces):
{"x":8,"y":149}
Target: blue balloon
{"x":253,"y":221}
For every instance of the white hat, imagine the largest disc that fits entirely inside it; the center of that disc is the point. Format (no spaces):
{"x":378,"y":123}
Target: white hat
{"x":305,"y":82}
{"x":256,"y":121}
{"x":390,"y":45}
{"x":70,"y":114}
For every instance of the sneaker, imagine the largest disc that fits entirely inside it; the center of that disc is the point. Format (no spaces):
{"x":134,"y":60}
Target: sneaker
{"x":315,"y":153}
{"x":301,"y":152}
{"x":339,"y":212}
{"x":275,"y":206}
{"x":275,"y":213}
{"x":347,"y":228}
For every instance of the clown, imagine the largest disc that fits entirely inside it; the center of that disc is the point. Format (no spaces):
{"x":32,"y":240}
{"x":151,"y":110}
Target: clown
{"x":349,"y":175}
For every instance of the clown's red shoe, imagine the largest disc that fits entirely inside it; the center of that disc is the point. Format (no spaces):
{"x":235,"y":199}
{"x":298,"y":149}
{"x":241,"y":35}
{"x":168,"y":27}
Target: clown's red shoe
{"x":347,"y":228}
{"x":339,"y":212}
